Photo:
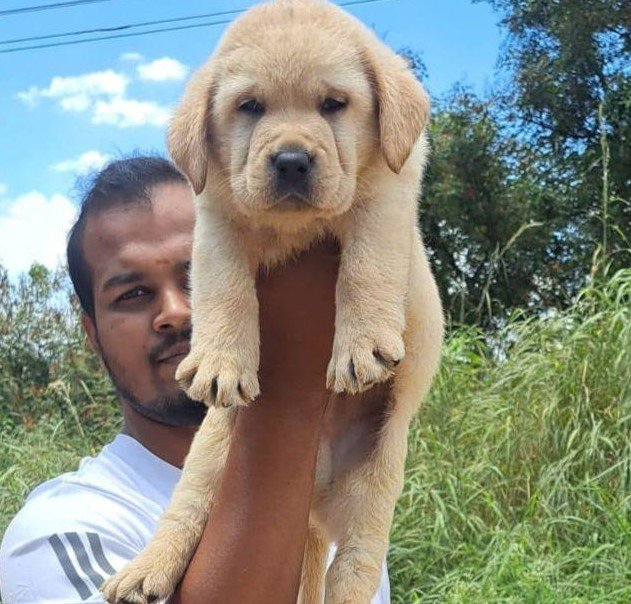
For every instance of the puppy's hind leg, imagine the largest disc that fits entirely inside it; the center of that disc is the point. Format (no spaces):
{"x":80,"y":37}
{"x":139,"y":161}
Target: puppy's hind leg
{"x":368,"y":495}
{"x":155,"y":573}
{"x":313,"y":568}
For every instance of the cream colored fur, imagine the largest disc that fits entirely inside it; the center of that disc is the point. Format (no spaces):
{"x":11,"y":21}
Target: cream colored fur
{"x":370,"y":159}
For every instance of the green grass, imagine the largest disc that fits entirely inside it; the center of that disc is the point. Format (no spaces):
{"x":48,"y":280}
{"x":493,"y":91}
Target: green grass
{"x":518,"y":484}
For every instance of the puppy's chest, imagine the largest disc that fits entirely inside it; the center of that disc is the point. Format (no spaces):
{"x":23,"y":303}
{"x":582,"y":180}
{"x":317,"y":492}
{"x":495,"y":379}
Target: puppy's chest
{"x":349,"y":435}
{"x":269,"y":248}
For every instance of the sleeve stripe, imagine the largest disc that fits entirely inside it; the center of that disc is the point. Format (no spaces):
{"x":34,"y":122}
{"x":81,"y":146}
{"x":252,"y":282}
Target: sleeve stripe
{"x":60,"y":551}
{"x":82,"y":558}
{"x":99,"y":555}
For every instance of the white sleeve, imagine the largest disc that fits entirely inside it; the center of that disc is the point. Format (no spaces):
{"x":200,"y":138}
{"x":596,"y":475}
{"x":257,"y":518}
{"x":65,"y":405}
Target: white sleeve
{"x":62,"y":568}
{"x":383,"y":592}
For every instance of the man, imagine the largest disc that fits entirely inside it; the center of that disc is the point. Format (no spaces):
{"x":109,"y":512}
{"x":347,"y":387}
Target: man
{"x":128,"y":256}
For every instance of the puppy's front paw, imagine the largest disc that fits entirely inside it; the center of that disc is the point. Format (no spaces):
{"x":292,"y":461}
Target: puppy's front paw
{"x":143,"y":581}
{"x":361,"y":360}
{"x":218,"y":378}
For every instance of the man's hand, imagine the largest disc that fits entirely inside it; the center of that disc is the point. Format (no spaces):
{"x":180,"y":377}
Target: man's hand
{"x":253,"y":544}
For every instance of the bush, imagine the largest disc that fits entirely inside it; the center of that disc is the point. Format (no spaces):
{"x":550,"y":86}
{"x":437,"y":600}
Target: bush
{"x":56,"y":404}
{"x":518,"y":485}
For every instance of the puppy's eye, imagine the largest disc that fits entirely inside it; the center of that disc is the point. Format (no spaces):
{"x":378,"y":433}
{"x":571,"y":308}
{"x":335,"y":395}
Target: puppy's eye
{"x":332,"y":105}
{"x":252,"y":107}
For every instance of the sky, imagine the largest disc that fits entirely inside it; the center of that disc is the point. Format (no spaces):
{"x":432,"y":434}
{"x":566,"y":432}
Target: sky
{"x":66,"y":110}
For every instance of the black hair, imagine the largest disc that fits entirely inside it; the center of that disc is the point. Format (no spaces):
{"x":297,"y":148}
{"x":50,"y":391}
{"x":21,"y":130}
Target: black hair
{"x":120,"y":182}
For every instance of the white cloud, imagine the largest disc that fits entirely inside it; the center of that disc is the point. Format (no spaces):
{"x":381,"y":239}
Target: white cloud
{"x":126,"y":113}
{"x":29,"y":97}
{"x":78,"y":102}
{"x":90,"y":160}
{"x":109,"y":83}
{"x":3,"y":189}
{"x":131,"y":56}
{"x":77,"y":93}
{"x":162,"y":70}
{"x":33,"y":228}
{"x":103,"y":95}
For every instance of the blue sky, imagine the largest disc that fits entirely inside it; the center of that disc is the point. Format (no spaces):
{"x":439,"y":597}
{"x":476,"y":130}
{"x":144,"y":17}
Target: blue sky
{"x":66,"y":109}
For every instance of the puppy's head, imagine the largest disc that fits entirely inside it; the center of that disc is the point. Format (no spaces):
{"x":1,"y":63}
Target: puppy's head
{"x":297,"y":102}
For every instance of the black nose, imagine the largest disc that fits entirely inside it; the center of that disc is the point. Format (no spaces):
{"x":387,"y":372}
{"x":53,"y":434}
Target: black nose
{"x":292,"y":168}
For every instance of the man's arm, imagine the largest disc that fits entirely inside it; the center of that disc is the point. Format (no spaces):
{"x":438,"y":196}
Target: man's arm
{"x":252,"y":547}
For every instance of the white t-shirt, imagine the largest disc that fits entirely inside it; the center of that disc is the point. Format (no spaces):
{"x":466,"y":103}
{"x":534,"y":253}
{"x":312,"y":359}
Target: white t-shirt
{"x":80,"y":528}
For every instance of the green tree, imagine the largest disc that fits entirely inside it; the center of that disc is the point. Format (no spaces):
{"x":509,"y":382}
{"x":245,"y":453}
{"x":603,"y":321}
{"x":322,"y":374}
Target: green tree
{"x":485,"y":220}
{"x":570,"y":92}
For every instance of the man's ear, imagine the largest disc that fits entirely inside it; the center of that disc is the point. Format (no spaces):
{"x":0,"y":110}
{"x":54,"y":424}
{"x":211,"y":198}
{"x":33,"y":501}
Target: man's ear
{"x":89,"y":326}
{"x":402,"y":104}
{"x":189,"y":130}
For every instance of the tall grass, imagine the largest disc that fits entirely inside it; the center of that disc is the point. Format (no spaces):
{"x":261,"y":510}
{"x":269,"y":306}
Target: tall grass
{"x":518,"y":485}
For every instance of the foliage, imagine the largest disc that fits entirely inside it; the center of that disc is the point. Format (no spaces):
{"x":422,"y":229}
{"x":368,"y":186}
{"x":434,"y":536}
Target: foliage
{"x":528,"y":191}
{"x":518,"y":485}
{"x":484,"y":219}
{"x":568,"y":98}
{"x":46,"y":369}
{"x":567,"y":57}
{"x":56,"y":405}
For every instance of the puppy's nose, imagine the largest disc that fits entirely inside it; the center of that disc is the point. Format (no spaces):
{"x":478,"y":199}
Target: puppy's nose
{"x":292,"y":168}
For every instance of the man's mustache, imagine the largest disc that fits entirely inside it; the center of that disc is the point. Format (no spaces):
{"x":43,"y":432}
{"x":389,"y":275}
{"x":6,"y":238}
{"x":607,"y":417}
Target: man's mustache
{"x":167,"y":342}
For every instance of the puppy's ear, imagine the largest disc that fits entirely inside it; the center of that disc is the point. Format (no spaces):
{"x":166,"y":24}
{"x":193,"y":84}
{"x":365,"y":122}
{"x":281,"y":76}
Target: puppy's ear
{"x":188,"y":139}
{"x":402,"y":105}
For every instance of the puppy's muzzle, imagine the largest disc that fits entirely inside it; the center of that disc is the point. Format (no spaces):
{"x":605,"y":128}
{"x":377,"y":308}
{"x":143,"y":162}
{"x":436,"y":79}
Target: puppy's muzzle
{"x":292,"y":171}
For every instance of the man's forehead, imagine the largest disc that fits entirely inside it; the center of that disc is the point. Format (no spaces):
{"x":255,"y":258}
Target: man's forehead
{"x":135,"y":254}
{"x":126,"y":236}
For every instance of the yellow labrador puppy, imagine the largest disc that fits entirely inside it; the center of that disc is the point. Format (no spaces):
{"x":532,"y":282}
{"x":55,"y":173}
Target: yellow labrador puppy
{"x":302,"y":125}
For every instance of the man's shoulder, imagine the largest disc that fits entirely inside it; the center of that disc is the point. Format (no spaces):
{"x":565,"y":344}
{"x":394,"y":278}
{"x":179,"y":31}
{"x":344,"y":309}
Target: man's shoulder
{"x":66,"y":504}
{"x":66,"y":517}
{"x":74,"y":530}
{"x":99,"y":495}
{"x":65,"y":541}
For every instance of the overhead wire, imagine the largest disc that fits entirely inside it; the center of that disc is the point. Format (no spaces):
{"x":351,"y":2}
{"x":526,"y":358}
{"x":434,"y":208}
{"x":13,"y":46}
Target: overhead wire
{"x":128,"y":35}
{"x":141,"y":33}
{"x":122,"y":27}
{"x":40,"y":7}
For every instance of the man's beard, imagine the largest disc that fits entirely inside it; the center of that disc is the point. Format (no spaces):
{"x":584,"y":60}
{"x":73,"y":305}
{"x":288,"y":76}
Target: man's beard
{"x":171,"y":410}
{"x":175,"y":410}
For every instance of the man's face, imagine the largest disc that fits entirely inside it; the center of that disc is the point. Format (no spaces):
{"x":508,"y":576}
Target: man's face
{"x":139,"y":257}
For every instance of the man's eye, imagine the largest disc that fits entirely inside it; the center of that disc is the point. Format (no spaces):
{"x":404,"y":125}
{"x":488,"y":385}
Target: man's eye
{"x":186,"y":285}
{"x":133,"y":294}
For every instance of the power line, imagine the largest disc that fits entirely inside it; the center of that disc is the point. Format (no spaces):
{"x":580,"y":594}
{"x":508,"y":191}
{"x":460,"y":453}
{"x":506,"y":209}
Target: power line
{"x":130,"y":35}
{"x":121,"y":27}
{"x":142,"y":33}
{"x":31,"y":9}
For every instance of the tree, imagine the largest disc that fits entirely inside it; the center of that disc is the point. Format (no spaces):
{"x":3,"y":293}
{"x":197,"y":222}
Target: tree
{"x":571,"y":94}
{"x":484,"y":218}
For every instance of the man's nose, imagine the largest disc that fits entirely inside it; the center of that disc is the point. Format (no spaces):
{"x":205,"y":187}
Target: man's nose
{"x":174,"y":313}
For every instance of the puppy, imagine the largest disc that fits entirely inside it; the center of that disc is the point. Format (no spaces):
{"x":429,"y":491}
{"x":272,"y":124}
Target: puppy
{"x":302,"y":125}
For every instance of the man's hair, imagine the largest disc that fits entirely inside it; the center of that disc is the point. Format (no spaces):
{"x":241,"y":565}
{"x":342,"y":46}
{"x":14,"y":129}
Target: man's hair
{"x":122,"y":182}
